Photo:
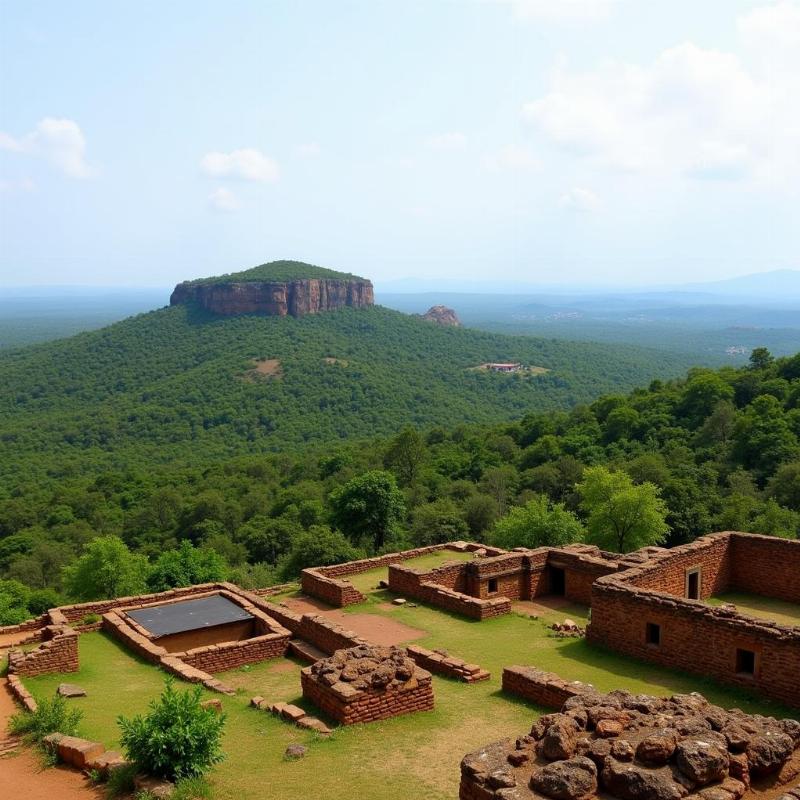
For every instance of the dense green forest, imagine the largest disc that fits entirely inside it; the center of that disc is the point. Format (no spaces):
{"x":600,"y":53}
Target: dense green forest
{"x":179,"y":384}
{"x":713,"y":450}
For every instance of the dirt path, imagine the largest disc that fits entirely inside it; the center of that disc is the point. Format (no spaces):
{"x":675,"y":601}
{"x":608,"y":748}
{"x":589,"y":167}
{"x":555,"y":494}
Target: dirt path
{"x":21,"y":773}
{"x":373,"y":627}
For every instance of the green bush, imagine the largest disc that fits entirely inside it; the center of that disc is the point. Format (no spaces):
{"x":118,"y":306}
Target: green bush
{"x":52,"y":716}
{"x":177,"y":739}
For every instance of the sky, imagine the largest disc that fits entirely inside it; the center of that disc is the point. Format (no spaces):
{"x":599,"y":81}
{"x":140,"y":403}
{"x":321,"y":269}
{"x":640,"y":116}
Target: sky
{"x":583,"y":142}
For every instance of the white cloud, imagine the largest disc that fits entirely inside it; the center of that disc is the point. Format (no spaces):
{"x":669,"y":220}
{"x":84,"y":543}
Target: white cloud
{"x":578,"y":199}
{"x":59,"y":141}
{"x":451,"y":142}
{"x":308,"y":150}
{"x":223,"y":199}
{"x":247,"y":164}
{"x":513,"y":157}
{"x":560,"y":10}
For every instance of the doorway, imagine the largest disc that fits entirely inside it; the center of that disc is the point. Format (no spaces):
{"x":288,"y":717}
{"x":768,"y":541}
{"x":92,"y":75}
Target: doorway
{"x":693,"y":584}
{"x":558,"y":581}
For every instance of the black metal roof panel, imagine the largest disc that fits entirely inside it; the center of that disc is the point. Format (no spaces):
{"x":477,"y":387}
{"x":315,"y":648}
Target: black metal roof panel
{"x":189,"y":615}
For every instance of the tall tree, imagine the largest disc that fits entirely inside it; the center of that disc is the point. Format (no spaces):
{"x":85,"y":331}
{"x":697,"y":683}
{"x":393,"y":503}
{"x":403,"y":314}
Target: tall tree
{"x":405,"y":454}
{"x":106,"y":569}
{"x":621,"y":516}
{"x":368,"y":507}
{"x":537,"y":524}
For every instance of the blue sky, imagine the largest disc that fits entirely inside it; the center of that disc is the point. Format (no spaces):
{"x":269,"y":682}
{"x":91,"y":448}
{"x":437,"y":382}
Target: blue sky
{"x":548,"y":141}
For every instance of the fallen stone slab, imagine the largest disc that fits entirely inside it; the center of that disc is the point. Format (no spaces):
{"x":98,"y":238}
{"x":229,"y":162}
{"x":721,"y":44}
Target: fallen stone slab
{"x":70,"y":690}
{"x":314,"y":724}
{"x":78,"y":752}
{"x":214,"y":704}
{"x":399,"y":601}
{"x":292,"y":712}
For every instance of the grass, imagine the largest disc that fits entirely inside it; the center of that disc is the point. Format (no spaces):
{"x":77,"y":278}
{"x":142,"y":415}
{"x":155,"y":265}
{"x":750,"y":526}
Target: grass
{"x":365,"y":582}
{"x":757,"y":605}
{"x":412,"y":756}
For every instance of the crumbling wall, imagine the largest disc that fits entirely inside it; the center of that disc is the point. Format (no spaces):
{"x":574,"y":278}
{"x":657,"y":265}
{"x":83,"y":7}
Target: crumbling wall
{"x":58,"y":652}
{"x":542,"y":688}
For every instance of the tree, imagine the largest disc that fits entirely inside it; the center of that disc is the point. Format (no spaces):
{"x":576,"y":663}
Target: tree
{"x":537,"y":524}
{"x":480,"y":512}
{"x":14,"y":597}
{"x":621,"y":516}
{"x":178,"y":738}
{"x":405,"y":454}
{"x":437,"y":522}
{"x":784,"y":485}
{"x":267,"y":539}
{"x":763,"y":438}
{"x":368,"y":507}
{"x":703,"y":391}
{"x":318,"y":547}
{"x":761,"y":358}
{"x":106,"y":569}
{"x":186,"y":566}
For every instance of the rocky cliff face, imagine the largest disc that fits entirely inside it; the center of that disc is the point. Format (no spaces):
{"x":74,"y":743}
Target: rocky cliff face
{"x":442,"y":316}
{"x":295,"y":298}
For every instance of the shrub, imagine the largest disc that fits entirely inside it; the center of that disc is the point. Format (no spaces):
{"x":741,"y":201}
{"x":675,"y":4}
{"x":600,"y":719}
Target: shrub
{"x":52,"y":716}
{"x":177,"y":739}
{"x":120,"y":781}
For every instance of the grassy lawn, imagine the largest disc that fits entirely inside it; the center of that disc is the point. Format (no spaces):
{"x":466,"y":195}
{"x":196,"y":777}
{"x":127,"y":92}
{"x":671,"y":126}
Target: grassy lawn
{"x":757,"y":605}
{"x":412,"y":756}
{"x":367,"y":581}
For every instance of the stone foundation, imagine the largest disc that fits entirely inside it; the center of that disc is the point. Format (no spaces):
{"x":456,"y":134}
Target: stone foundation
{"x":636,"y":747}
{"x":366,"y":684}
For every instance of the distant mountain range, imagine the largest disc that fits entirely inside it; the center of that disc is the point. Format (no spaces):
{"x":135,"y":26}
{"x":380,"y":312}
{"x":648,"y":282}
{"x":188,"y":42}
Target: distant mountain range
{"x":782,"y":285}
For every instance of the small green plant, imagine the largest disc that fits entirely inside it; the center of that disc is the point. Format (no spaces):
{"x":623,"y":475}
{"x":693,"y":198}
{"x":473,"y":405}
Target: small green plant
{"x":177,"y":739}
{"x":120,"y":781}
{"x":95,"y":776}
{"x":90,"y":619}
{"x":52,"y":716}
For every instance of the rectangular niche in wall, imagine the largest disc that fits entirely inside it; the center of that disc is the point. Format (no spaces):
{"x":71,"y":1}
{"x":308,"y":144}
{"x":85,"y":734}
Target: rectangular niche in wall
{"x":653,"y":634}
{"x":745,"y":662}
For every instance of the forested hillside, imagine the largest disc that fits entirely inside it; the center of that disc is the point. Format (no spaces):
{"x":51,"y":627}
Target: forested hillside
{"x":180,"y":384}
{"x":714,"y":450}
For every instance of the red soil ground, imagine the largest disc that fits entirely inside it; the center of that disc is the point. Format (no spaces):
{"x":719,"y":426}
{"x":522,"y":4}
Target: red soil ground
{"x":22,"y":774}
{"x":376,"y":629}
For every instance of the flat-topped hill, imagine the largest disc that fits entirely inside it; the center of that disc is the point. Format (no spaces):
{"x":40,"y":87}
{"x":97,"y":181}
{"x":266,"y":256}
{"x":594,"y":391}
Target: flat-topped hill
{"x":277,"y":289}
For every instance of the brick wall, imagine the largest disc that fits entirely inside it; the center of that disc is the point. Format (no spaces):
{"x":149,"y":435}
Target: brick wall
{"x":447,"y":665}
{"x":696,"y":638}
{"x":542,"y":688}
{"x":231,"y":655}
{"x":411,"y":583}
{"x":333,"y":591}
{"x":666,"y":573}
{"x":766,"y":565}
{"x":326,"y":635}
{"x":348,"y":706}
{"x":58,"y":652}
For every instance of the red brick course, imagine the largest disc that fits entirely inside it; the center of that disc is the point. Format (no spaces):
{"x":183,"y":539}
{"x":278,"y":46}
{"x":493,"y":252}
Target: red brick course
{"x":542,"y":688}
{"x":696,"y":637}
{"x":58,"y":652}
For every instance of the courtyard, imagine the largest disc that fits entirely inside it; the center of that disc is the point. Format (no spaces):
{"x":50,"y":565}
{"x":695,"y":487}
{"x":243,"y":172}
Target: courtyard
{"x":408,"y":756}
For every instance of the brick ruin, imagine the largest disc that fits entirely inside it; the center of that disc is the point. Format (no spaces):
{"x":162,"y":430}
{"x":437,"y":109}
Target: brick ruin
{"x":366,"y":684}
{"x":656,"y":612}
{"x":632,"y":747}
{"x":649,"y":604}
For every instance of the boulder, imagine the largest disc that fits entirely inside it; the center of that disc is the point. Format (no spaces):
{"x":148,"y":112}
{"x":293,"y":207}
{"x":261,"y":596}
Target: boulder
{"x":573,"y":779}
{"x":767,"y":752}
{"x":634,"y":782}
{"x":703,"y":762}
{"x":295,"y":751}
{"x":657,"y":748}
{"x":560,"y":739}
